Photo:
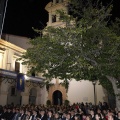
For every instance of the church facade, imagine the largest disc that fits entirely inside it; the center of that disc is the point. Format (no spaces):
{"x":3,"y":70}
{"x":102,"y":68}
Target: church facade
{"x":78,"y":91}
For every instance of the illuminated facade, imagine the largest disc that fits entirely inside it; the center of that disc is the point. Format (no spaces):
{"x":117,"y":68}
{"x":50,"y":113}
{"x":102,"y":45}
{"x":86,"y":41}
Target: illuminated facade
{"x":9,"y":67}
{"x":10,"y":50}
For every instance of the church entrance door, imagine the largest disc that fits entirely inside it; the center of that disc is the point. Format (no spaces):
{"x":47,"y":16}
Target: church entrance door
{"x":57,"y":98}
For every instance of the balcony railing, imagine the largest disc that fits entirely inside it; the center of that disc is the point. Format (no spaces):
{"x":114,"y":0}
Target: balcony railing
{"x":12,"y":76}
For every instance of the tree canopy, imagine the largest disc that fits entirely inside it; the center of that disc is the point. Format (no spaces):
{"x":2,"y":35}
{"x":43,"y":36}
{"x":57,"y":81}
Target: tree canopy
{"x":87,"y":48}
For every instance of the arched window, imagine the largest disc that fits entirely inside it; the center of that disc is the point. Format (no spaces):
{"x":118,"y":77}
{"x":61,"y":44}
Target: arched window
{"x":53,"y":18}
{"x":57,"y":1}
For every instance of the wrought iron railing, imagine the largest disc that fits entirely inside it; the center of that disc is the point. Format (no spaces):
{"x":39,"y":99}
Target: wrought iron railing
{"x":11,"y":77}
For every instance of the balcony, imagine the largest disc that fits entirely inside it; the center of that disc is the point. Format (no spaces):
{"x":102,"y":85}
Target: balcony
{"x":11,"y":77}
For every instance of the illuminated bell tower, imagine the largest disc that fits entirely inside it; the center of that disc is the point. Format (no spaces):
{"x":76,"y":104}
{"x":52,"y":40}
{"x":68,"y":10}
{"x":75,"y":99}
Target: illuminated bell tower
{"x":51,"y":8}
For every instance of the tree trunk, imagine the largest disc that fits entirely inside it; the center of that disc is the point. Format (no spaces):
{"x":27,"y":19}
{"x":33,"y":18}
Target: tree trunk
{"x":116,"y":91}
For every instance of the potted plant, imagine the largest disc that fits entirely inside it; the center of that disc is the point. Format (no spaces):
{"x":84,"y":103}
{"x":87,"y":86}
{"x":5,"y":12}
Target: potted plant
{"x":48,"y":102}
{"x":66,"y":102}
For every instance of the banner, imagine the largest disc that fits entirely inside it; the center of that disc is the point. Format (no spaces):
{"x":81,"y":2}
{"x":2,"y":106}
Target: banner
{"x":20,"y":82}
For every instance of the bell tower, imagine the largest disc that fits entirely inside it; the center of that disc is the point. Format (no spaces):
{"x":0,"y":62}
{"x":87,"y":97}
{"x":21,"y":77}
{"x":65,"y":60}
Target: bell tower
{"x":57,"y":93}
{"x":51,"y":8}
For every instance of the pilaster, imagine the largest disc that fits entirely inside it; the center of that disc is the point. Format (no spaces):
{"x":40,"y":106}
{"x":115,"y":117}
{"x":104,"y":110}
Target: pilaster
{"x":54,"y":1}
{"x":50,"y":18}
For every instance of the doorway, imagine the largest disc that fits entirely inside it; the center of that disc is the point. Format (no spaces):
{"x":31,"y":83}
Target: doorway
{"x":57,"y":98}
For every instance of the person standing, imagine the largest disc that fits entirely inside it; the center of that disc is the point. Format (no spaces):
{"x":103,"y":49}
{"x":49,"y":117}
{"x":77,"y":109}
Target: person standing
{"x":22,"y":114}
{"x":50,"y":115}
{"x":17,"y":114}
{"x":34,"y":115}
{"x":43,"y":115}
{"x":118,"y":116}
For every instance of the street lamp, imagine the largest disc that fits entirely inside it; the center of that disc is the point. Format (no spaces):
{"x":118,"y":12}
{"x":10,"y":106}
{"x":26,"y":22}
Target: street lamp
{"x":94,"y":83}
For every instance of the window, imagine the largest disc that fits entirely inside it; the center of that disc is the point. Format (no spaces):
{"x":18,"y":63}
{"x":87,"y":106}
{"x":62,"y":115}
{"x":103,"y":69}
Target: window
{"x":17,"y":67}
{"x":57,"y":1}
{"x":53,"y":18}
{"x":13,"y":91}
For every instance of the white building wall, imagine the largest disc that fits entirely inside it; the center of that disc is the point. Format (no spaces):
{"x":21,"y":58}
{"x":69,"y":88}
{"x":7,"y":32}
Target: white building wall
{"x":100,"y":94}
{"x":83,"y":91}
{"x":44,"y":96}
{"x":17,"y":40}
{"x":80,"y":91}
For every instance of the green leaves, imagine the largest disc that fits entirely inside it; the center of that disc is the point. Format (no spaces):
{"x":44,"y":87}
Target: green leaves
{"x":87,"y":48}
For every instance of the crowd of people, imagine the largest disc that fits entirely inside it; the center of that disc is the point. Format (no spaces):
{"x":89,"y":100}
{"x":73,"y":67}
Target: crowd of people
{"x":78,"y":111}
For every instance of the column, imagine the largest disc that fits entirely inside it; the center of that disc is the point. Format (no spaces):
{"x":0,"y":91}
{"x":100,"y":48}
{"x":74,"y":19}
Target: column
{"x":25,"y":98}
{"x":50,"y":19}
{"x":3,"y":98}
{"x":54,"y":1}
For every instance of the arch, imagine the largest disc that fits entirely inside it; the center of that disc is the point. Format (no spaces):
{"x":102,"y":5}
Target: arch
{"x":60,"y":88}
{"x":57,"y":97}
{"x":32,"y":96}
{"x":54,"y":18}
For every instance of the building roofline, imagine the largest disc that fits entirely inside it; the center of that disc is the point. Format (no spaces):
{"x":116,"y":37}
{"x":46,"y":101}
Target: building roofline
{"x":14,"y":35}
{"x":12,"y":46}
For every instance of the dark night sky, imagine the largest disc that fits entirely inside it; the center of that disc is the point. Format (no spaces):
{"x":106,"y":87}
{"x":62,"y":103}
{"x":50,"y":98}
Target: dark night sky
{"x":22,"y":15}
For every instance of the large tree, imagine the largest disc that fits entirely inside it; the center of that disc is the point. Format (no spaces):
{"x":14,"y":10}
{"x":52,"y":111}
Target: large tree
{"x":87,"y":48}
